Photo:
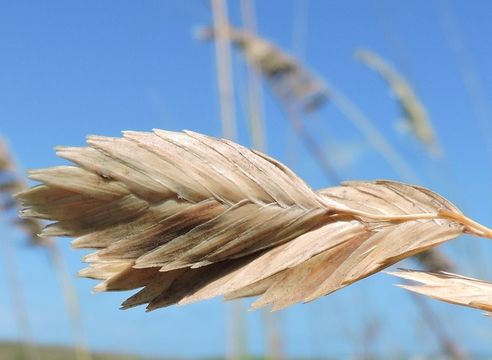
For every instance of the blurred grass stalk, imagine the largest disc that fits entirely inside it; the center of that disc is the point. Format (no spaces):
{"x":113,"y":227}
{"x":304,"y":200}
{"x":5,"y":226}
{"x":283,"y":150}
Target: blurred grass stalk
{"x":255,"y":118}
{"x":237,"y":334}
{"x":70,"y":295}
{"x":255,"y":94}
{"x":297,"y":123}
{"x":448,"y":346}
{"x":11,"y":269}
{"x":12,"y":184}
{"x":372,"y":134}
{"x":18,"y":299}
{"x":224,"y":68}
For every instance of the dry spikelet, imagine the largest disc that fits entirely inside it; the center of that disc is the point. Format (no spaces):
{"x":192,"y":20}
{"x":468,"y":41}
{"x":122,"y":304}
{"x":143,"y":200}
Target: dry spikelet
{"x":8,"y":180}
{"x":413,"y":111}
{"x":451,"y":288}
{"x":290,"y":80}
{"x":188,"y":217}
{"x":11,"y":183}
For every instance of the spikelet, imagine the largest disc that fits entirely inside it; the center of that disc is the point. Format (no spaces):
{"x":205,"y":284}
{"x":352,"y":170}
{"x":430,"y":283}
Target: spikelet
{"x":11,"y":183}
{"x":291,"y":81}
{"x":451,"y":288}
{"x":412,"y":108}
{"x":188,"y":217}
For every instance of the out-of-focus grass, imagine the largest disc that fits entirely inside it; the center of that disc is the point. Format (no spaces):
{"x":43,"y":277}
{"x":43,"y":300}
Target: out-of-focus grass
{"x":13,"y":351}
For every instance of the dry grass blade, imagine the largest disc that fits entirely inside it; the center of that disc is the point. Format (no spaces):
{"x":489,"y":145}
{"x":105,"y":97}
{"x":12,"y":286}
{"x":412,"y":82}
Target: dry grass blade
{"x":451,"y":288}
{"x":413,"y":110}
{"x":291,"y":81}
{"x":188,"y":217}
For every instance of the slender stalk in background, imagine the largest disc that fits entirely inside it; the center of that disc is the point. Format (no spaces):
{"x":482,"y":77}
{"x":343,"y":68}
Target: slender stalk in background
{"x":18,"y":299}
{"x":237,"y":336}
{"x":255,"y":115}
{"x":448,"y":346}
{"x":81,"y":348}
{"x":297,"y":124}
{"x":12,"y":183}
{"x":274,"y":348}
{"x":255,"y":93}
{"x":371,"y":330}
{"x":224,"y":68}
{"x":228,"y":118}
{"x":372,"y":134}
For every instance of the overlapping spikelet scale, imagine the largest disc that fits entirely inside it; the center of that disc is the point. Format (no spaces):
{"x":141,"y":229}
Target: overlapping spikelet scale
{"x":452,"y":288}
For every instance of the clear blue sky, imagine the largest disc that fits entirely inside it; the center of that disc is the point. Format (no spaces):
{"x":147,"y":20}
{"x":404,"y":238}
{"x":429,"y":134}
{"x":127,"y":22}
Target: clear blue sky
{"x":72,"y":68}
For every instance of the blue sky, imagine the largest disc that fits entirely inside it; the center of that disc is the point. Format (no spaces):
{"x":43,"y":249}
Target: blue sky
{"x":73,"y":68}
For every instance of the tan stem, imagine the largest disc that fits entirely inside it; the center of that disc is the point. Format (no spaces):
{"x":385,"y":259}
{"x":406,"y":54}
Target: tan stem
{"x":474,"y":227}
{"x":21,"y":312}
{"x":81,"y":349}
{"x":391,"y":218}
{"x":224,"y":68}
{"x":255,"y":96}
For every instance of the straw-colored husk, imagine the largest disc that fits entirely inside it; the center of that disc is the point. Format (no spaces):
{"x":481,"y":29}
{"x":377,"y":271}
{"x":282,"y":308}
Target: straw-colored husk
{"x":188,"y":217}
{"x":451,"y":288}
